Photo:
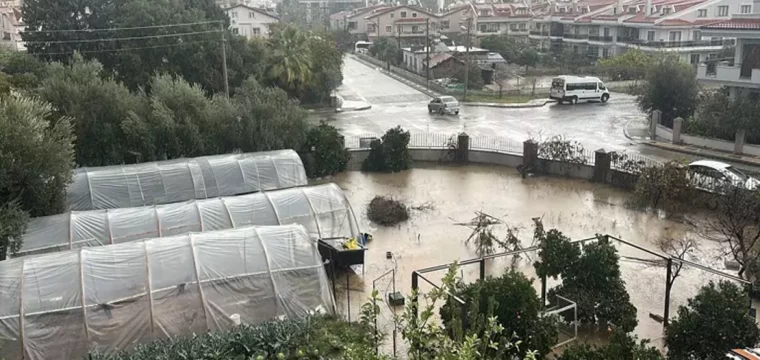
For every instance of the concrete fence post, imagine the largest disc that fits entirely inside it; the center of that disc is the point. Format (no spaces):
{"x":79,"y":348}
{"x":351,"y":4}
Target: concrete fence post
{"x":677,"y":127}
{"x":739,"y":141}
{"x":530,"y":154}
{"x":463,"y":148}
{"x":653,"y":122}
{"x":602,"y":162}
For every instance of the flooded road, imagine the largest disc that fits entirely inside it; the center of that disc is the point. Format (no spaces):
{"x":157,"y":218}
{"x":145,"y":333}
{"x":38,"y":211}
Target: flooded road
{"x":578,"y":208}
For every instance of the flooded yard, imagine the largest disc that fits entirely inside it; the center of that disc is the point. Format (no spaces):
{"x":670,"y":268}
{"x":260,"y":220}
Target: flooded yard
{"x":578,"y":208}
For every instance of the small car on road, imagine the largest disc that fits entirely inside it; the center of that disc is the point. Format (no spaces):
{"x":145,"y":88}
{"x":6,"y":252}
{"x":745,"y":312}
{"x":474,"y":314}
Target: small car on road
{"x":444,"y":104}
{"x":709,"y":174}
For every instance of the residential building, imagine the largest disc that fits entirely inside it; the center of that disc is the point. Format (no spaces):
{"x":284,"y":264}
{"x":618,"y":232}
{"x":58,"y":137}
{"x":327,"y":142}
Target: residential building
{"x":408,"y":24}
{"x":450,"y":21}
{"x":415,"y":58}
{"x":355,"y":21}
{"x":249,"y":21}
{"x":505,"y":18}
{"x":742,"y":73}
{"x":602,"y":28}
{"x":269,"y":5}
{"x":318,"y":11}
{"x":12,"y":24}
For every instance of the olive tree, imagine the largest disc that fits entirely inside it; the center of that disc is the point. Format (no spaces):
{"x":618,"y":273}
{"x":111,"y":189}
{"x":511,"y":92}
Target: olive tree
{"x":671,"y":87}
{"x":36,"y":162}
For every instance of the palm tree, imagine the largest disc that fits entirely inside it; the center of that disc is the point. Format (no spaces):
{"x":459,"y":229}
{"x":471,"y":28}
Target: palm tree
{"x":290,"y":65}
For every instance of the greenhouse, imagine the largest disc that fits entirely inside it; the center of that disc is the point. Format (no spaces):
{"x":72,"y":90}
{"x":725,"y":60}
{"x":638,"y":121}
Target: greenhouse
{"x":323,"y":210}
{"x":64,"y":305}
{"x":164,"y":182}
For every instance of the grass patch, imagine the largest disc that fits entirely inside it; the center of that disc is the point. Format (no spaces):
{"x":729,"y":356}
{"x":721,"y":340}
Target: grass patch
{"x":506,"y":99}
{"x":387,"y":211}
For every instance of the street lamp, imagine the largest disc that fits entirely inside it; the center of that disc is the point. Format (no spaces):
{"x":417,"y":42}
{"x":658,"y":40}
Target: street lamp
{"x":467,"y":56}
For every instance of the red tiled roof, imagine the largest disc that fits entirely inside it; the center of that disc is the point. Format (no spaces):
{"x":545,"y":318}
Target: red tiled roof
{"x":641,"y":18}
{"x":674,"y":22}
{"x":412,"y":8}
{"x":439,"y":58}
{"x":735,"y":24}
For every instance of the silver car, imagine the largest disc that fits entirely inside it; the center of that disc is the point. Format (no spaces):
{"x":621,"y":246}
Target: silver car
{"x":444,"y":104}
{"x":708,"y":174}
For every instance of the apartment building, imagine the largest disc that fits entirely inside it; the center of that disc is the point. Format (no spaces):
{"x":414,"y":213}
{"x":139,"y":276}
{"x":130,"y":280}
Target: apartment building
{"x":503,"y":18}
{"x":602,"y":28}
{"x":354,"y":20}
{"x":319,"y":11}
{"x":12,"y":24}
{"x":742,"y":73}
{"x":249,"y":21}
{"x":408,"y":24}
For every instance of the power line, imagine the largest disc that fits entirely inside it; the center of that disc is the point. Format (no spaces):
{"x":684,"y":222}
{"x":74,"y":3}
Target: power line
{"x":125,"y":49}
{"x":124,"y":28}
{"x":121,"y":39}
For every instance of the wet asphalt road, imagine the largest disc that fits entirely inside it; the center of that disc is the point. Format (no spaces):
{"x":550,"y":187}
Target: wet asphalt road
{"x":595,"y":125}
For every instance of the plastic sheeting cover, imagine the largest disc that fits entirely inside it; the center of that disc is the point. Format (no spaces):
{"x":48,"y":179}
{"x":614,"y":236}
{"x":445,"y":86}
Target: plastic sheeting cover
{"x":103,"y":299}
{"x":164,"y":182}
{"x":323,"y":210}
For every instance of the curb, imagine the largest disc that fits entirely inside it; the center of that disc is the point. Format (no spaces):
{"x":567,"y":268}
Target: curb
{"x":629,"y":137}
{"x":508,"y":106}
{"x":709,"y":154}
{"x":359,"y":108}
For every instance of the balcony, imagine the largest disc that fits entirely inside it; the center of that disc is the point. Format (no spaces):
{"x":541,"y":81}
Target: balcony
{"x":575,"y":37}
{"x":661,"y":44}
{"x":603,"y":39}
{"x":726,"y":74}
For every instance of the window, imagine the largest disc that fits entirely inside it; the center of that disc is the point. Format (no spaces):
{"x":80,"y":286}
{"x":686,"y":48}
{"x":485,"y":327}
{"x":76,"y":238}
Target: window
{"x":444,"y":25}
{"x":650,"y":35}
{"x":483,"y":28}
{"x":392,"y":15}
{"x":562,"y":10}
{"x":522,"y":26}
{"x":388,"y":28}
{"x":235,"y":31}
{"x":746,"y":9}
{"x":606,"y":32}
{"x":234,"y":14}
{"x":605,"y":54}
{"x":723,"y":10}
{"x":601,"y":86}
{"x":694,"y":59}
{"x":702,"y":13}
{"x":674,"y":36}
{"x":415,"y":29}
{"x":584,"y":10}
{"x":665,"y":11}
{"x":250,"y":15}
{"x":513,"y":27}
{"x":414,"y":15}
{"x":403,"y":14}
{"x":631,"y":10}
{"x":697,"y":35}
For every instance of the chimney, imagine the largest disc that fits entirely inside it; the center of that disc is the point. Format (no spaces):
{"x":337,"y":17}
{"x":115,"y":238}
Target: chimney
{"x":620,"y":8}
{"x":648,"y":10}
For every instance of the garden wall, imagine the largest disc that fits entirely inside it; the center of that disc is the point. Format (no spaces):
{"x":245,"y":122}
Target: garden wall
{"x":737,"y":146}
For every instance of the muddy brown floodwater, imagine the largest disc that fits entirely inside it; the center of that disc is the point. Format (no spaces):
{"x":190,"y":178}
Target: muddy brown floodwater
{"x":578,"y":208}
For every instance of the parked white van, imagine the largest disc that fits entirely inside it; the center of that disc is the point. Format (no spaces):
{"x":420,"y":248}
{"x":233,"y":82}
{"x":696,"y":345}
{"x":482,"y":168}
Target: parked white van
{"x":577,"y":88}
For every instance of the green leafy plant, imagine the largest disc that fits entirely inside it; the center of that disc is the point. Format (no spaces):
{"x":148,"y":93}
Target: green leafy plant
{"x":666,"y":186}
{"x":715,"y":321}
{"x":512,"y":301}
{"x":391,"y":153}
{"x":325,"y":151}
{"x":620,"y":346}
{"x":671,"y":87}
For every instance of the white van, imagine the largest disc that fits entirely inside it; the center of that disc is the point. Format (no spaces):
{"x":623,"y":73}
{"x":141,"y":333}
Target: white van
{"x":362,"y":47}
{"x":576,"y":88}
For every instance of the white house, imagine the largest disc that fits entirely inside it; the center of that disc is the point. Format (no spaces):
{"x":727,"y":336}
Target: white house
{"x":742,"y":74}
{"x":11,"y":25}
{"x":250,"y":21}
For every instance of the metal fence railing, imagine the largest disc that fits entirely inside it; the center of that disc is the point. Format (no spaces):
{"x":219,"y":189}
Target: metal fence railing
{"x":632,"y":163}
{"x":432,"y":140}
{"x":498,"y":143}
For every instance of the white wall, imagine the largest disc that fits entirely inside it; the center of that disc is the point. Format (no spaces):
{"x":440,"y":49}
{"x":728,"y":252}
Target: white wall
{"x":249,"y":23}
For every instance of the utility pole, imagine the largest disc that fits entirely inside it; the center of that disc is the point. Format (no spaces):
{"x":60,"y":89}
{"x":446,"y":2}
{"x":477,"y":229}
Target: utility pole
{"x":427,"y":51}
{"x":467,"y":59}
{"x":224,"y":63}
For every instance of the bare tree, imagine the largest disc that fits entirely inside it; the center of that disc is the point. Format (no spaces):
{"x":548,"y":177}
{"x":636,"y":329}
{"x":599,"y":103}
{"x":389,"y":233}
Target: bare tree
{"x":500,"y":76}
{"x":737,"y":224}
{"x":677,"y":248}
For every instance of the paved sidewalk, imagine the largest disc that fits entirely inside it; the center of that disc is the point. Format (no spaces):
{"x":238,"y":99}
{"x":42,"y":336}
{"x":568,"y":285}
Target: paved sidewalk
{"x":708,"y":153}
{"x":530,"y":104}
{"x":348,"y":100}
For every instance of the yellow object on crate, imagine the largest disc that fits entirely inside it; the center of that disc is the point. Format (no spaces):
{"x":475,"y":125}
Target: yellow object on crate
{"x":351,"y":244}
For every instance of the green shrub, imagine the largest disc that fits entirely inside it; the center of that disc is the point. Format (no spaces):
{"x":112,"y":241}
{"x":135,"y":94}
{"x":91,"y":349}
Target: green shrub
{"x":621,"y":346}
{"x":515,"y":304}
{"x":391,"y":154}
{"x":665,"y":186}
{"x":325,"y":152}
{"x":307,"y":338}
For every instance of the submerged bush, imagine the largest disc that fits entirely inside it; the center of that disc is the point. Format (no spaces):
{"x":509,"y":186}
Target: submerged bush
{"x":325,"y":152}
{"x":386,"y":211}
{"x":391,"y":154}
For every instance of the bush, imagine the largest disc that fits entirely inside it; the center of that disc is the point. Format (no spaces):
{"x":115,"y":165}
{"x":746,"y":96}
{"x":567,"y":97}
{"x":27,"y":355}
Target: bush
{"x":307,"y":338}
{"x":665,"y":186}
{"x":515,"y":304}
{"x":621,"y":346}
{"x":391,"y":154}
{"x":671,"y":87}
{"x":325,"y":152}
{"x":714,"y":322}
{"x":386,"y":211}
